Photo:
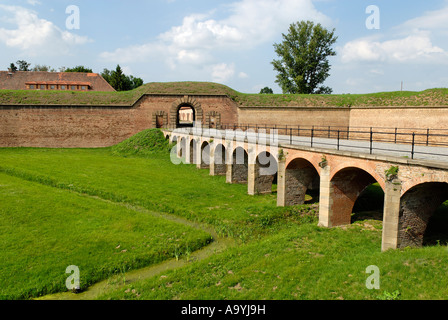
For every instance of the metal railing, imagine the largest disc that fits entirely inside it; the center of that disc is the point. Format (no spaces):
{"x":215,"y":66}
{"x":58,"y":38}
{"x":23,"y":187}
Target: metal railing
{"x":339,"y":136}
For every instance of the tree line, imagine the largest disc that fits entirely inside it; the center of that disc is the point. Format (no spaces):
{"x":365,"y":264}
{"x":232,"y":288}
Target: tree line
{"x":116,"y":78}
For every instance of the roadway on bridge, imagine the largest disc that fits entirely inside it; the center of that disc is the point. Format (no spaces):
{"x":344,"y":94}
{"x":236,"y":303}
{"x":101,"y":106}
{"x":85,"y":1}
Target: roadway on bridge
{"x":429,"y":153}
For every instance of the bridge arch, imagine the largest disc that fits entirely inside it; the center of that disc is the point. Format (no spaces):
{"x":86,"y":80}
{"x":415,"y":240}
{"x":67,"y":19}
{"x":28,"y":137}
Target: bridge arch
{"x":240,"y":163}
{"x":266,"y":170}
{"x":353,"y":164}
{"x":417,"y":207}
{"x":182,"y":147}
{"x":300,"y":175}
{"x":193,"y":150}
{"x":219,"y":160}
{"x":347,"y":185}
{"x":205,"y":155}
{"x":427,"y":178}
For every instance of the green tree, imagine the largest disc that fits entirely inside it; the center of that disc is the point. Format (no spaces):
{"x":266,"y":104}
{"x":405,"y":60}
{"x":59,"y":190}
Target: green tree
{"x":23,"y":65}
{"x":79,"y":69}
{"x":266,"y":90}
{"x":13,"y":67}
{"x":119,"y":81}
{"x":303,"y":65}
{"x":39,"y":67}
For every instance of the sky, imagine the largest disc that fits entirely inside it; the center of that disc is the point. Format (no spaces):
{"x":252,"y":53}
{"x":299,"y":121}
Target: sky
{"x":383,"y":45}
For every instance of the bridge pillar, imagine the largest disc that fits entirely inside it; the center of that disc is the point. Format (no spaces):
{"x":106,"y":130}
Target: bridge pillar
{"x":229,"y":161}
{"x":212,"y":159}
{"x":326,"y":198}
{"x":187,"y":149}
{"x":281,"y":183}
{"x":391,"y":214}
{"x":198,"y":154}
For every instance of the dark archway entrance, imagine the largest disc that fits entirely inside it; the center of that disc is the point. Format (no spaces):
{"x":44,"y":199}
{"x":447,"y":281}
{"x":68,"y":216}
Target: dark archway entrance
{"x":186,"y":116}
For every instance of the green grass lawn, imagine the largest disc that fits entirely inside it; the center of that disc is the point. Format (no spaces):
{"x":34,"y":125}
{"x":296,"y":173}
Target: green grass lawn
{"x":44,"y":230}
{"x":92,"y":208}
{"x":304,"y":263}
{"x":152,"y":182}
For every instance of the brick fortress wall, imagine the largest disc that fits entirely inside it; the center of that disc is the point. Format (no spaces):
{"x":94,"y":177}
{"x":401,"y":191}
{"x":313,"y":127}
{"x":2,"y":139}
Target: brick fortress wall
{"x":102,"y":126}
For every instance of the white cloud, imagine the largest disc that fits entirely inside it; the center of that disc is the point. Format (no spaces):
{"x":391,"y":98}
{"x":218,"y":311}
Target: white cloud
{"x":417,"y":46}
{"x":222,"y":72}
{"x":200,"y":39}
{"x":243,"y":75}
{"x":36,"y":36}
{"x":416,"y":40}
{"x":34,"y":2}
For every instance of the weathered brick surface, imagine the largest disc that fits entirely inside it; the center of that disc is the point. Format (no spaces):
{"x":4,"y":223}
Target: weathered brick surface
{"x":89,"y":127}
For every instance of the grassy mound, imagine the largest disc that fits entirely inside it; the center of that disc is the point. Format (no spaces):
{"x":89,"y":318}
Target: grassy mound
{"x":145,"y":143}
{"x":430,"y":97}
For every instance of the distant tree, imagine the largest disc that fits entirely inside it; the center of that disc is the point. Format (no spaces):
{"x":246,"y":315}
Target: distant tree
{"x":135,"y":82}
{"x":79,"y":69}
{"x":119,"y":81}
{"x":13,"y":67}
{"x":266,"y":90}
{"x":39,"y":67}
{"x":303,"y":65}
{"x":23,"y":65}
{"x":106,"y":74}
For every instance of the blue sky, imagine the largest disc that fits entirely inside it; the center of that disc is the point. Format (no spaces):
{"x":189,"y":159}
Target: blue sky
{"x":231,"y":42}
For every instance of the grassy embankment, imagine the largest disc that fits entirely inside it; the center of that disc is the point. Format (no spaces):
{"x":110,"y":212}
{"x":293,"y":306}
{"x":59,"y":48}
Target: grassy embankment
{"x":50,"y":218}
{"x":397,"y":98}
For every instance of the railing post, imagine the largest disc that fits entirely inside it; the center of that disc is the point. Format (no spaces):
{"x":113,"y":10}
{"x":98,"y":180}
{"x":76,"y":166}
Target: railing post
{"x":413,"y":145}
{"x":427,"y":137}
{"x":371,"y":140}
{"x":396,"y":131}
{"x":312,"y":135}
{"x":338,"y":138}
{"x":290,"y":136}
{"x":329,"y":132}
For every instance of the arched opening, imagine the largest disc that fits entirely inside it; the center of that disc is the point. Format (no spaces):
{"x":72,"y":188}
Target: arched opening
{"x":220,"y":160}
{"x":370,"y":204}
{"x":186,"y":116}
{"x":348,"y":184}
{"x":266,"y":169}
{"x":193,"y":151}
{"x":183,"y":148}
{"x":302,"y":183}
{"x":424,"y":215}
{"x":205,"y":155}
{"x":240,"y":163}
{"x":167,"y":137}
{"x":174,"y":143}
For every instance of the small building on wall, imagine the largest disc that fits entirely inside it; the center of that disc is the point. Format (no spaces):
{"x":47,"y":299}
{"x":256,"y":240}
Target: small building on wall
{"x":57,"y":81}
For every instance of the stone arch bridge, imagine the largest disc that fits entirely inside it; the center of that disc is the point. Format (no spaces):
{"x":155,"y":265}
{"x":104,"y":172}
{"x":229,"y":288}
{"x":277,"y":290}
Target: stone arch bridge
{"x":413,"y":189}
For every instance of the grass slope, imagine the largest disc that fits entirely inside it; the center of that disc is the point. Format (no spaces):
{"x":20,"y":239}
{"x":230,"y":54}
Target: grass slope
{"x":430,"y":97}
